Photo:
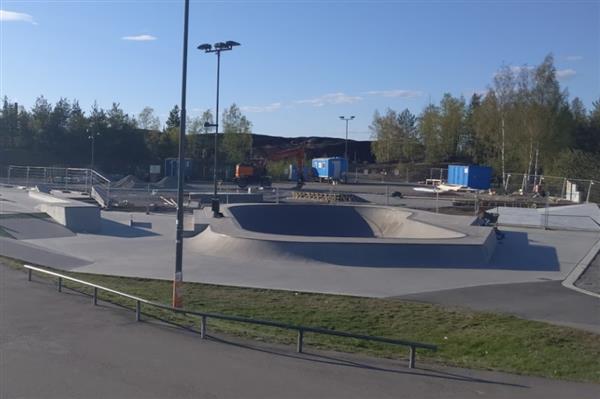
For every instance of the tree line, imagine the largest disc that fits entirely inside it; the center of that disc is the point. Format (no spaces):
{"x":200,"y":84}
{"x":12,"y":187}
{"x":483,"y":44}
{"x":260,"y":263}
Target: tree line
{"x":60,"y":134}
{"x":524,"y":123}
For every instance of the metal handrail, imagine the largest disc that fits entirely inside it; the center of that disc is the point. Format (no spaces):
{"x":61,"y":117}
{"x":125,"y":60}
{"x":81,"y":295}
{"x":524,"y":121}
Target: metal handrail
{"x":205,"y":316}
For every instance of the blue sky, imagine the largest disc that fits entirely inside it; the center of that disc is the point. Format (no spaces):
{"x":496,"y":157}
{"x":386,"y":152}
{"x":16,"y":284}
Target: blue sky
{"x":301,"y":63}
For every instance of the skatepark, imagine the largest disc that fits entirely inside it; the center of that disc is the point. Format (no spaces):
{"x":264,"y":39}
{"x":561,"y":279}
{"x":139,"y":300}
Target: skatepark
{"x":357,"y":249}
{"x":362,"y":250}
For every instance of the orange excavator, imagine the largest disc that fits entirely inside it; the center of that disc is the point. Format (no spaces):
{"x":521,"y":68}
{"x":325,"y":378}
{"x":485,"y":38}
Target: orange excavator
{"x":254,"y":171}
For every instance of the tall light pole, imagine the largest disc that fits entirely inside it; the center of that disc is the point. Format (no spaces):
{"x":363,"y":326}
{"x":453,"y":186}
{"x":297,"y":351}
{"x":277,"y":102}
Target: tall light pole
{"x":178,"y":280}
{"x":92,"y":136}
{"x":346,"y":144}
{"x":216,"y":48}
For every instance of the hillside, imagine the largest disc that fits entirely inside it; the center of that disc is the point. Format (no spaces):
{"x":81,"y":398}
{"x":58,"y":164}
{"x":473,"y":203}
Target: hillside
{"x":359,"y":151}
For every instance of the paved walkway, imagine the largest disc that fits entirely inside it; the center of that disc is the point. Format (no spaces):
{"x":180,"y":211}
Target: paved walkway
{"x":546,"y":301}
{"x":57,"y":345}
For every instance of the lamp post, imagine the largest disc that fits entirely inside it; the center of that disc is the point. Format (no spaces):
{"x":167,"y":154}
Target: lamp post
{"x":178,"y":280}
{"x":216,"y":48}
{"x":92,"y":136}
{"x":346,"y":144}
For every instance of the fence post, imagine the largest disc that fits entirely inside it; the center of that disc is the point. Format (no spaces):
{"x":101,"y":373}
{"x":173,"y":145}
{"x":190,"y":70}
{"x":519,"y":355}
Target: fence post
{"x":564,"y":186}
{"x":437,"y":197}
{"x":300,"y":340}
{"x":27,"y":178}
{"x":28,"y":274}
{"x":60,"y":284}
{"x":547,"y":211}
{"x":387,"y":195}
{"x":203,"y":327}
{"x":138,"y":311}
{"x":587,"y":200}
{"x":66,"y":178}
{"x":108,"y":196}
{"x":411,"y":357}
{"x":95,"y":297}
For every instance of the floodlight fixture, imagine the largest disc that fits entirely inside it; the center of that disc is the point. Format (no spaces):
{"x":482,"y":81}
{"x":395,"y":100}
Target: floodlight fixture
{"x":216,"y":48}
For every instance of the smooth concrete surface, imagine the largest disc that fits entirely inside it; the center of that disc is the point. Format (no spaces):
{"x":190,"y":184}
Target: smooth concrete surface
{"x":336,"y":221}
{"x":23,"y":226}
{"x":352,"y":253}
{"x":545,"y":301}
{"x":525,"y":255}
{"x":75,"y":215}
{"x":569,"y":217}
{"x":57,"y":345}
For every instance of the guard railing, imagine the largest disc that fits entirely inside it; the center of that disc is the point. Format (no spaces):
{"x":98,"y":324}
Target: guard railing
{"x":301,"y":330}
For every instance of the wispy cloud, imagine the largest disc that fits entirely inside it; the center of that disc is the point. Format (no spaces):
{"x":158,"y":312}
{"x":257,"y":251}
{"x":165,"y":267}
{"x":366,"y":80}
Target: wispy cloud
{"x":12,"y":16}
{"x":261,"y":108}
{"x":395,"y":93}
{"x":140,"y":38}
{"x":574,"y":57}
{"x":332,"y":98}
{"x":564,"y":74}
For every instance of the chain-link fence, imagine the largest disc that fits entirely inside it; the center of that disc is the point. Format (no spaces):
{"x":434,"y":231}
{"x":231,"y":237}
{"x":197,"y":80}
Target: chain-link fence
{"x":573,"y":190}
{"x":55,"y":178}
{"x":397,"y":174}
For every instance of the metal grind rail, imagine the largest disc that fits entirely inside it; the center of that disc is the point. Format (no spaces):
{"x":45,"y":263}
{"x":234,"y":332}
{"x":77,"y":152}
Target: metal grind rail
{"x":301,"y":330}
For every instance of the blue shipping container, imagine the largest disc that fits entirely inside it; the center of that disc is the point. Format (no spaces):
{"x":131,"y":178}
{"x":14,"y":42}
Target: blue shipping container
{"x":472,"y":176}
{"x":171,"y":167}
{"x":293,"y":173}
{"x":330,"y":168}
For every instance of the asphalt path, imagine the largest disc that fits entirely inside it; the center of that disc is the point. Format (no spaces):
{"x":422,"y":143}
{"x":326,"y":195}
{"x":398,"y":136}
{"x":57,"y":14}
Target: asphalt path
{"x":545,"y":301}
{"x":57,"y":345}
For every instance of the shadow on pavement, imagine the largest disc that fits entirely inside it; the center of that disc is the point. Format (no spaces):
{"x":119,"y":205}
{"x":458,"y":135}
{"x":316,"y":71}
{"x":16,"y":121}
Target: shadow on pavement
{"x":121,"y":230}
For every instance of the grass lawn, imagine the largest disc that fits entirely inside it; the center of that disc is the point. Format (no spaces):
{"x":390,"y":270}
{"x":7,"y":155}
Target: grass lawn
{"x":465,"y":338}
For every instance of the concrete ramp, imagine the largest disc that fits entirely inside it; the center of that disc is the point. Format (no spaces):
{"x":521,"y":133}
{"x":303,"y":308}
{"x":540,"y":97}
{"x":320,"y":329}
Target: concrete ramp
{"x":336,"y":221}
{"x":354,"y":251}
{"x":349,"y":235}
{"x":585,"y":217}
{"x":77,"y":216}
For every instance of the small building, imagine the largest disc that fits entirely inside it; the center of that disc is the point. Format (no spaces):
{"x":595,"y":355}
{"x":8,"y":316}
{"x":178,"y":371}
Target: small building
{"x":330,"y":169}
{"x":472,"y":176}
{"x":172,"y":167}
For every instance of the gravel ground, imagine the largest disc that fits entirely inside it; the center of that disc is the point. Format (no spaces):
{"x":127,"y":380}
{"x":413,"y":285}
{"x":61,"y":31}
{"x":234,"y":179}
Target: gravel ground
{"x":590,"y":279}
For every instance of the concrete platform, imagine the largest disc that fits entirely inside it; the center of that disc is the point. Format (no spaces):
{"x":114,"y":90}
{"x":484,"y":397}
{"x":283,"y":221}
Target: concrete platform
{"x":75,"y":215}
{"x":584,"y":217}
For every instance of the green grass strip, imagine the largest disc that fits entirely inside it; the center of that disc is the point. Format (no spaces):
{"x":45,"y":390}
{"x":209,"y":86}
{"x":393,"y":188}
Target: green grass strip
{"x":466,"y":338}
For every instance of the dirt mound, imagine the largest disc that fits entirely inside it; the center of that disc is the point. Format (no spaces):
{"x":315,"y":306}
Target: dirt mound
{"x":128,"y":181}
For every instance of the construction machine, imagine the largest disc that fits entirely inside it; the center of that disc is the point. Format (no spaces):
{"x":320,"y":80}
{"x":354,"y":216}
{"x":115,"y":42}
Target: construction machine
{"x":254,"y":171}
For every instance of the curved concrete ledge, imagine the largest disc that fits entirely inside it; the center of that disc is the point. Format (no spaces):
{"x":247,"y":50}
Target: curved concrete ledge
{"x":371,"y":236}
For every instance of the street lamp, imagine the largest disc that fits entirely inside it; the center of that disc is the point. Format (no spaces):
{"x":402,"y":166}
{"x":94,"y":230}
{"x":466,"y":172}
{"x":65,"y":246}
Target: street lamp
{"x":178,"y":278}
{"x":92,"y":137}
{"x":346,"y":144}
{"x":216,"y":48}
